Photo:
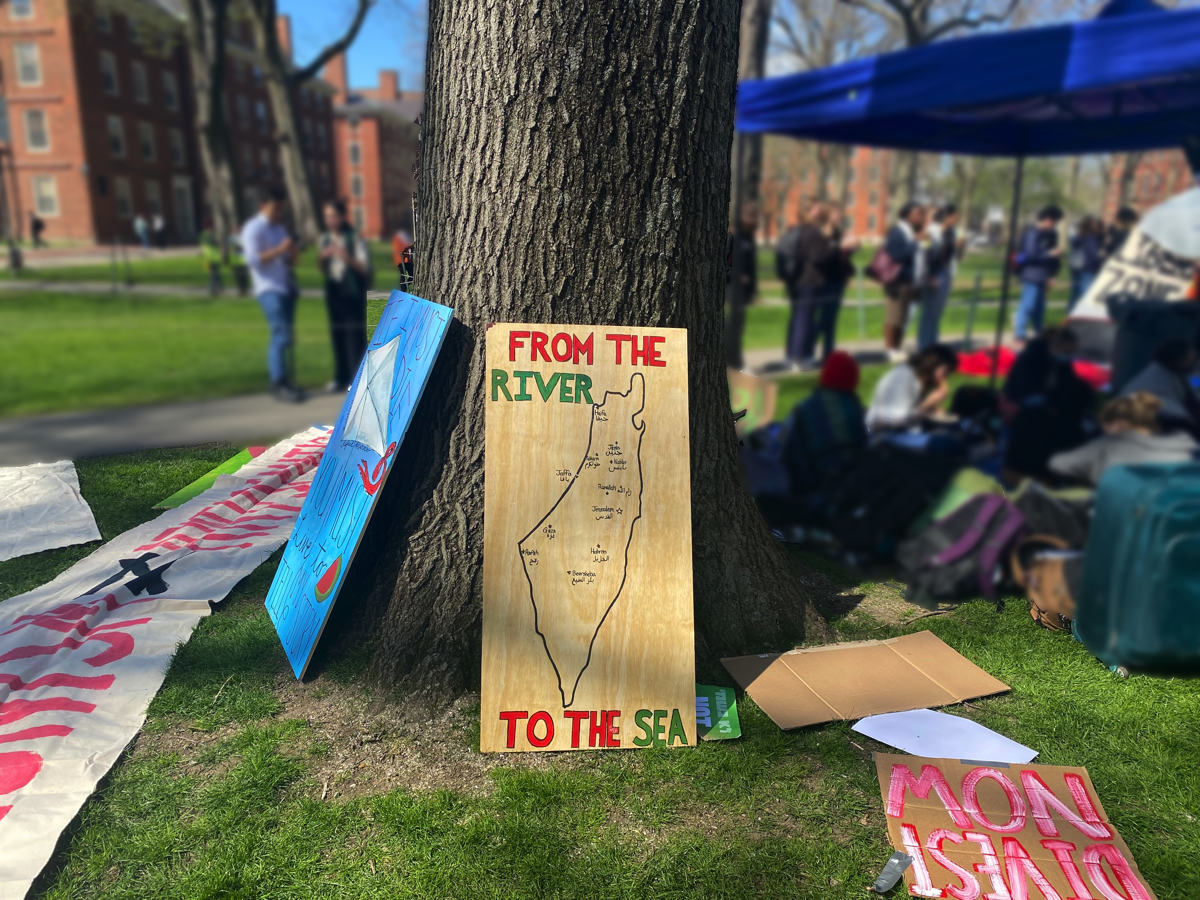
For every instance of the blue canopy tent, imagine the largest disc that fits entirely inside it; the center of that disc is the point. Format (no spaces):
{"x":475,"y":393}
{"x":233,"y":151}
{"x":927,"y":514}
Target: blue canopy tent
{"x":1126,"y":80}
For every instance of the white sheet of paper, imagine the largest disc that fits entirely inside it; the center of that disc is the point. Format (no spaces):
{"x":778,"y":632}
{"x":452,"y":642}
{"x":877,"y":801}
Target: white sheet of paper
{"x":926,"y":732}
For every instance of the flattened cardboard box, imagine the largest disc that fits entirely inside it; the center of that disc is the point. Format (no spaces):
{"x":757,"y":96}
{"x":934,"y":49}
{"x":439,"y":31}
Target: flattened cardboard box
{"x":865,"y":678}
{"x":1001,"y":830}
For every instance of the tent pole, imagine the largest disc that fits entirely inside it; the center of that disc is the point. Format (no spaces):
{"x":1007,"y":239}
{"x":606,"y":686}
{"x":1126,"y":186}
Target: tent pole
{"x":1006,"y":266}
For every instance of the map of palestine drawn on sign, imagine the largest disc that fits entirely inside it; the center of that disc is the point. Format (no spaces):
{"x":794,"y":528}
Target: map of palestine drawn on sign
{"x":576,"y":575}
{"x":587,"y":593}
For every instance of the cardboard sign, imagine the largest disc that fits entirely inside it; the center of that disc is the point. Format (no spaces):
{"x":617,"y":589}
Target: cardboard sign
{"x":755,"y":395}
{"x":852,"y":680}
{"x":587,"y":566}
{"x":1007,"y":832}
{"x":378,"y":410}
{"x":716,"y":713}
{"x":1142,"y":268}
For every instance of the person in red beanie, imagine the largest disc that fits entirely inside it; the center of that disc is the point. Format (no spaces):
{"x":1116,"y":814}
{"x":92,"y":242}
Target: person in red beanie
{"x":827,"y":431}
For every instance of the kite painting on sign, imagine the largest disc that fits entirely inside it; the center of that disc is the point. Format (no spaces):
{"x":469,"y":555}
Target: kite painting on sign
{"x":587,"y":559}
{"x":372,"y":425}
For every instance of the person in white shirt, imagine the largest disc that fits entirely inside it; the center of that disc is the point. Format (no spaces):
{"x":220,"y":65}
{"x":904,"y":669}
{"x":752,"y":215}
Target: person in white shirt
{"x":912,"y":390}
{"x":270,"y":252}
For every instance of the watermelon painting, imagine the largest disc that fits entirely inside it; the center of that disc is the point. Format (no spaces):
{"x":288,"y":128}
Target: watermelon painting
{"x":326,"y":582}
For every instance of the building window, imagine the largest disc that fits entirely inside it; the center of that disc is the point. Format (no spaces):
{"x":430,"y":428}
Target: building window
{"x":264,"y":157}
{"x":360,"y":219}
{"x":324,"y":177}
{"x":146,"y":141}
{"x":874,"y":198}
{"x":108,"y":74}
{"x":170,"y":91}
{"x":356,"y":185}
{"x":37,"y":135}
{"x":257,"y":74}
{"x":29,"y":65}
{"x":871,"y":222}
{"x":306,"y":134}
{"x":243,"y":111}
{"x":175,"y":142}
{"x":20,"y":9}
{"x":153,"y":198}
{"x":874,"y":173}
{"x":137,"y":77}
{"x":124,"y":198}
{"x":45,"y":195}
{"x":102,"y":185}
{"x":247,"y":160}
{"x":116,"y":136}
{"x":260,"y":116}
{"x":322,"y":137}
{"x":103,"y":21}
{"x":849,"y":198}
{"x":850,"y":174}
{"x":5,"y":134}
{"x":355,"y":153}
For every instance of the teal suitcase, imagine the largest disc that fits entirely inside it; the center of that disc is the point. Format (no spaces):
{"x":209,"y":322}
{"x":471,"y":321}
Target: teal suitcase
{"x":1139,"y":600}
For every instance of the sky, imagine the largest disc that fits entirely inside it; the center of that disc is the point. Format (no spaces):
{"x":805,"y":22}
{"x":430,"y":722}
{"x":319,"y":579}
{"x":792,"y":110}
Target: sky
{"x":392,"y":37}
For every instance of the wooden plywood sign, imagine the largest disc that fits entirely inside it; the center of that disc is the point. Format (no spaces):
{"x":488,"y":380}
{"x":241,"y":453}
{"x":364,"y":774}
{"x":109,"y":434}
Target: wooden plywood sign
{"x":587,"y":572}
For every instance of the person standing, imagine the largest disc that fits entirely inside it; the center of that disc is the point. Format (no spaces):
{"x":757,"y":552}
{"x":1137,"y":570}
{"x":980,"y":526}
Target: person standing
{"x":1038,"y":261}
{"x":271,"y":252}
{"x":818,"y":254}
{"x":1084,"y":259}
{"x":142,"y":229}
{"x":1118,"y":231}
{"x":900,"y":245}
{"x":36,"y":227}
{"x":344,"y":260}
{"x":838,"y":272}
{"x":941,"y":261}
{"x":159,"y":225}
{"x":210,"y":253}
{"x":740,"y":286}
{"x":402,"y":242}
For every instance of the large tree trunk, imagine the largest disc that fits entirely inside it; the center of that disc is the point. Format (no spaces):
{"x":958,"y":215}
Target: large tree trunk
{"x":752,"y":61}
{"x":575,"y":169}
{"x":1129,"y":167}
{"x":206,"y":51}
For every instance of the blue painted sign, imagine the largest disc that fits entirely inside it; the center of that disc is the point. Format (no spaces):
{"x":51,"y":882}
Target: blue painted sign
{"x":356,"y":463}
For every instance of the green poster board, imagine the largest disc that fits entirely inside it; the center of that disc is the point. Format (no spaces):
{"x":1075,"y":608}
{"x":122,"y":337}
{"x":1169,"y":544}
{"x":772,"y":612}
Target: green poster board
{"x":716,"y":713}
{"x":205,"y":481}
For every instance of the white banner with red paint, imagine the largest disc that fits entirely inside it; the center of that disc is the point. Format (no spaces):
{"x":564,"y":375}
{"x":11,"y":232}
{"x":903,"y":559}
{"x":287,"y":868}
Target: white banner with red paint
{"x":82,"y":657}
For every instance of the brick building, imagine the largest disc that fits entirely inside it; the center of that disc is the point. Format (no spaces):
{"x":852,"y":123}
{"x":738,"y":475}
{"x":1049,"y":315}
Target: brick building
{"x":790,"y":183}
{"x":376,"y":142}
{"x":98,"y":114}
{"x":1160,"y":174}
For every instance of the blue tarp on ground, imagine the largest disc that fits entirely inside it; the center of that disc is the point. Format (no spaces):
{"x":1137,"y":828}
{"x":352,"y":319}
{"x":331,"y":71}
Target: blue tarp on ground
{"x":1127,"y":80}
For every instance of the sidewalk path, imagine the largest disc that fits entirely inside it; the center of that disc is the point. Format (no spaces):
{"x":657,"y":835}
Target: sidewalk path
{"x":45,"y":257}
{"x":169,"y":290}
{"x":255,"y":418}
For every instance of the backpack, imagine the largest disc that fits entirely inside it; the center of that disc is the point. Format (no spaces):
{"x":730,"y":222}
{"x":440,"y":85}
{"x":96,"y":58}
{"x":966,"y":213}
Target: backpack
{"x":875,"y":500}
{"x":957,"y":557}
{"x":789,"y":262}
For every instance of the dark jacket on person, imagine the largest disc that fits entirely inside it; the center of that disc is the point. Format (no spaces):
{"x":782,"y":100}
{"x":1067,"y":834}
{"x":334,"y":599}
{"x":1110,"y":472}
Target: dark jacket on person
{"x":1115,"y":239}
{"x":1057,"y":423}
{"x":1036,"y":372}
{"x":941,"y":256}
{"x":825,"y":435}
{"x":903,"y":250}
{"x":1035,"y":262}
{"x":1085,"y":253}
{"x":822,"y":257}
{"x":742,"y":283}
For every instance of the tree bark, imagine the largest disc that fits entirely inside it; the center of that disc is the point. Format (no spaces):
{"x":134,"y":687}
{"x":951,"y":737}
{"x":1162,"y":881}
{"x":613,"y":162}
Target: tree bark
{"x":1129,"y":167}
{"x":575,"y":169}
{"x":205,"y":35}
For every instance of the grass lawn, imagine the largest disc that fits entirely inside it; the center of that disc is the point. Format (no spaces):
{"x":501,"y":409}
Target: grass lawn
{"x":188,"y":270}
{"x":245,"y":784}
{"x":62,"y":352}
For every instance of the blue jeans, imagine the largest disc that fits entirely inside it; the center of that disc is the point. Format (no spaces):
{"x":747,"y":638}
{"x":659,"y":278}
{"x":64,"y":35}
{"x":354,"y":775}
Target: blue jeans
{"x":1032,"y":308}
{"x":824,"y":327}
{"x":799,"y":345}
{"x":280,"y":310}
{"x":933,"y":305}
{"x":1081,"y":282}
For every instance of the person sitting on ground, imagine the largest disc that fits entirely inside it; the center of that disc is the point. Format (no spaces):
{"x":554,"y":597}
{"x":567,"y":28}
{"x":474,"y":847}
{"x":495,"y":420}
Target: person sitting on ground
{"x":1045,"y":361}
{"x":1166,"y":377}
{"x":826,"y":431}
{"x":1131,"y":437}
{"x":912,"y":390}
{"x":1060,"y":420}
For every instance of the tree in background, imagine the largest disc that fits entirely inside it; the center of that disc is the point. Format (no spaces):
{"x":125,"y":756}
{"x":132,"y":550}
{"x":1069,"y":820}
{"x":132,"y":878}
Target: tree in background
{"x":748,"y":151}
{"x":204,"y":32}
{"x":574,"y":169}
{"x":282,"y":81}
